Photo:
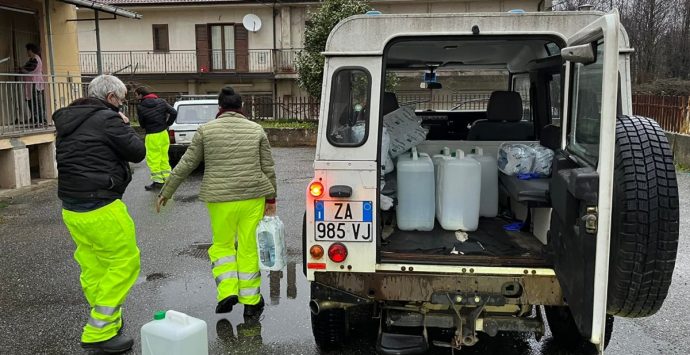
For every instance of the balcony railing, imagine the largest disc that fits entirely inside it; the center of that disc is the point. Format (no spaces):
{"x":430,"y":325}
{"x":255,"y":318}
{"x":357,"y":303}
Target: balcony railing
{"x":190,"y":61}
{"x":27,"y":106}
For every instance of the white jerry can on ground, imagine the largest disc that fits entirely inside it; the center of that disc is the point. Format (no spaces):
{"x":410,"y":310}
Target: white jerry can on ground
{"x":458,"y":190}
{"x":416,"y":195}
{"x":174,"y":333}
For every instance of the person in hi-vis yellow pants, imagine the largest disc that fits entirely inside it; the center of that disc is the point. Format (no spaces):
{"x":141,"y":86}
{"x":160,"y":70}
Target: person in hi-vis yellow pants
{"x":236,"y":272}
{"x":157,"y":145}
{"x":155,"y":116}
{"x":108,"y":255}
{"x":93,"y":149}
{"x":239,"y":187}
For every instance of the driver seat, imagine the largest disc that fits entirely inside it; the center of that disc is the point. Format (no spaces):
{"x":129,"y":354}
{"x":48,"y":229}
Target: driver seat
{"x":503,"y":120}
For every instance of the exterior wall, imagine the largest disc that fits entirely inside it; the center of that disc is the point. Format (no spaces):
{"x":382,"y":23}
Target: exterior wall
{"x":65,"y":39}
{"x":125,"y":34}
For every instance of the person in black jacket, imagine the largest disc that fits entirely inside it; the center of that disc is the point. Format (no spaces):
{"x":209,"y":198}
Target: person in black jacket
{"x":155,"y":116}
{"x":94,"y":147}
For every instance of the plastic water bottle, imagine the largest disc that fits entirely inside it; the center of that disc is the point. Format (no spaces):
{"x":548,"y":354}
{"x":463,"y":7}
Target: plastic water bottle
{"x":174,"y":333}
{"x":267,"y":249}
{"x":270,"y":239}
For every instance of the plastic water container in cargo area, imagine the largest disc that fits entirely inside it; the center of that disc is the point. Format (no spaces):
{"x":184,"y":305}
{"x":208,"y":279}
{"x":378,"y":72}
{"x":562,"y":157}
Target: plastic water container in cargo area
{"x":437,"y":158}
{"x":174,"y":333}
{"x":488,"y":206}
{"x":457,"y":191}
{"x":416,"y":192}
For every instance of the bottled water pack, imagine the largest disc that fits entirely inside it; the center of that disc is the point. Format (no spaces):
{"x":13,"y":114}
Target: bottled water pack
{"x":270,"y":240}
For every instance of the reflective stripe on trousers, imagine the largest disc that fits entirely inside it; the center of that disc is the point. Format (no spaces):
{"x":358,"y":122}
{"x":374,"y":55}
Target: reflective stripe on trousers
{"x":236,"y":271}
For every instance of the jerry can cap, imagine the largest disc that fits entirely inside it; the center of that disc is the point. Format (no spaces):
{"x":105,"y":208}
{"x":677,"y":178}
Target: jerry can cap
{"x":159,"y":315}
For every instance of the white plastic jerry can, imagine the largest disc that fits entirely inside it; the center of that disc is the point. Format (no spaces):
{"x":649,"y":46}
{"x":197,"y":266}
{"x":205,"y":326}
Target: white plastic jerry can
{"x":174,"y":333}
{"x":416,"y":192}
{"x":488,"y":206}
{"x":458,"y":190}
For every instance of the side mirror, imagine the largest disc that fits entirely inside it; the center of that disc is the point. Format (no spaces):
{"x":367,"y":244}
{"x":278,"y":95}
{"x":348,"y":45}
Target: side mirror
{"x":583,"y":53}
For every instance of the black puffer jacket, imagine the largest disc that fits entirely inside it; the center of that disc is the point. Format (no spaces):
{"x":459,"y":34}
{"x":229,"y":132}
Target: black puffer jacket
{"x":155,"y":114}
{"x":94,"y":147}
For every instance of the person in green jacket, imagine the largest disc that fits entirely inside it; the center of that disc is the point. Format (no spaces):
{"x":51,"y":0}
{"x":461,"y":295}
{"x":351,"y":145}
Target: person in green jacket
{"x":239,"y":188}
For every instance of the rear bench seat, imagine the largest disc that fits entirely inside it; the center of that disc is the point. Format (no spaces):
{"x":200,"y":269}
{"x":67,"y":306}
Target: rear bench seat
{"x":533,"y":193}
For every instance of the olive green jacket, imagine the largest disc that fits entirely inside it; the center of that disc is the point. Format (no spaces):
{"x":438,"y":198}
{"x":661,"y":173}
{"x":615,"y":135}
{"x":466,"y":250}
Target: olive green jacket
{"x":237,"y":159}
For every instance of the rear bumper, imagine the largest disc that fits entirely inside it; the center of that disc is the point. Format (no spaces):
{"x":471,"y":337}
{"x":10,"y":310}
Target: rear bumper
{"x":495,"y":290}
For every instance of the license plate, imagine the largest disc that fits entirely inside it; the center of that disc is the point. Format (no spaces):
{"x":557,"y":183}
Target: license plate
{"x":343,"y":221}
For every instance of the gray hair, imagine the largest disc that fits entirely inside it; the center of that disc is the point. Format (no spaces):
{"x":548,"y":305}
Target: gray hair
{"x":103,"y":85}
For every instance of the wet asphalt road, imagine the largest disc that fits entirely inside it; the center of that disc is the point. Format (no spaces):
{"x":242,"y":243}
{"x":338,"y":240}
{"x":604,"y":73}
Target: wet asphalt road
{"x":42,"y":308}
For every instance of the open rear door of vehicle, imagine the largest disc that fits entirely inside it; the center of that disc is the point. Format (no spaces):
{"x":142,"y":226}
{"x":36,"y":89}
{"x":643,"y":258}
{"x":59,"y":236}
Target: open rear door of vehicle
{"x":581,"y":188}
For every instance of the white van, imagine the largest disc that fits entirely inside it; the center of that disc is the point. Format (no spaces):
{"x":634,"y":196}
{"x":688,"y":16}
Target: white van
{"x":595,"y":238}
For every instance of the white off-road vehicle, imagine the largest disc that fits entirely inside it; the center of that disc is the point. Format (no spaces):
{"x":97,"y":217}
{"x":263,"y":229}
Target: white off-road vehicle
{"x":595,"y":238}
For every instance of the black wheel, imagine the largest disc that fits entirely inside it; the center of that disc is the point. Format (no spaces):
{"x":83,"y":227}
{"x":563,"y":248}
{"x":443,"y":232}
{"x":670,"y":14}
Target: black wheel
{"x":644,"y":234}
{"x":564,"y":329}
{"x":330,"y":328}
{"x":174,"y":158}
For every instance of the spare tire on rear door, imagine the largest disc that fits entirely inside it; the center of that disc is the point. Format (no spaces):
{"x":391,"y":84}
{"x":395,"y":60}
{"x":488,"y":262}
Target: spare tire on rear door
{"x":644,"y":234}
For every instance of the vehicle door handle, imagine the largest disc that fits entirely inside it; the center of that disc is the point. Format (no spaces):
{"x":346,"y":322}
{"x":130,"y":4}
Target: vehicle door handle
{"x":340,"y":191}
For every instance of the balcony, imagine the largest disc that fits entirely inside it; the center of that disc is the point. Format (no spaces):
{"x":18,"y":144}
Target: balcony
{"x":259,"y":61}
{"x":24,"y":110}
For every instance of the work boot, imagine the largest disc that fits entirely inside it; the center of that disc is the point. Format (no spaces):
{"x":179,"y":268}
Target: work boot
{"x":154,"y":186}
{"x":115,"y":345}
{"x":225,"y":305}
{"x":253,"y":312}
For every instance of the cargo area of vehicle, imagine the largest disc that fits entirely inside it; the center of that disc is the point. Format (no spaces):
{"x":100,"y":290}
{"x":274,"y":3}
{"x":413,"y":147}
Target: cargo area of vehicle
{"x":490,"y":245}
{"x":471,"y":129}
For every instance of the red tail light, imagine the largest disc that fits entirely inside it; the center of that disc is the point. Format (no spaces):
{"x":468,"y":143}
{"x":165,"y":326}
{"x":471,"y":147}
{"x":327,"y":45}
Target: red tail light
{"x":337,"y":252}
{"x":171,"y":134}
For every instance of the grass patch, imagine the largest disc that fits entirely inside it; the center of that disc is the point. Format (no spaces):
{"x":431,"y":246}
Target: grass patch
{"x":287,"y":124}
{"x":682,"y":168}
{"x":3,"y":204}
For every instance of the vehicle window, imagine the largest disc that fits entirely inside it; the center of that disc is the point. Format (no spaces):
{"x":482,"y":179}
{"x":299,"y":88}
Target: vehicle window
{"x":348,"y":115}
{"x":586,"y":107}
{"x":555,"y":99}
{"x":199,"y":113}
{"x":521,"y":84}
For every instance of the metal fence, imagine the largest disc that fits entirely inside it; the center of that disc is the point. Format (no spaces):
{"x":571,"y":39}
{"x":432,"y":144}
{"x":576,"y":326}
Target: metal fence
{"x":26,"y":106}
{"x":671,"y":112}
{"x":255,"y":107}
{"x":457,"y":101}
{"x":186,"y":61}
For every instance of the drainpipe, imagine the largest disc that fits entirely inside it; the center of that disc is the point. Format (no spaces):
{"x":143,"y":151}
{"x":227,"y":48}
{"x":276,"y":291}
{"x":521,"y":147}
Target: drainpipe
{"x":275,"y":53}
{"x":49,"y":29}
{"x":99,"y":63}
{"x":51,"y":54}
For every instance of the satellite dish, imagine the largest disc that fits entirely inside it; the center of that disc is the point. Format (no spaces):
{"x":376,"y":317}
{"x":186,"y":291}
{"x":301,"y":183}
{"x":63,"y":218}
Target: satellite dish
{"x":251,"y":22}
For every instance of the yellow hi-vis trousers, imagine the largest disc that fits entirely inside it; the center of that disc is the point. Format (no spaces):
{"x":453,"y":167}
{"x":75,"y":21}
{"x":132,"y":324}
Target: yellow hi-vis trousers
{"x":157,"y":145}
{"x":236,"y":271}
{"x":109,"y":259}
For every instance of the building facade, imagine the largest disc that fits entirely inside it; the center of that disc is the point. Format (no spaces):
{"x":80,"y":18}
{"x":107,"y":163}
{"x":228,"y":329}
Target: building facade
{"x":27,"y":136}
{"x":196,"y":47}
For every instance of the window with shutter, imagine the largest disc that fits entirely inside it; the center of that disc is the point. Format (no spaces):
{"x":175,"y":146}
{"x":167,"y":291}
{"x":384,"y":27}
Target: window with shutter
{"x":160,"y":38}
